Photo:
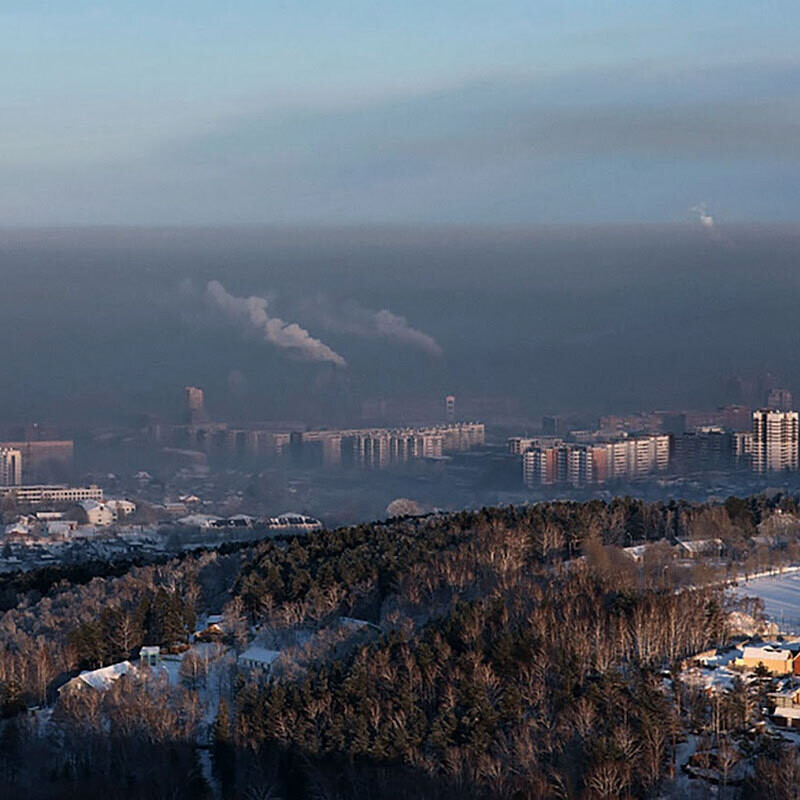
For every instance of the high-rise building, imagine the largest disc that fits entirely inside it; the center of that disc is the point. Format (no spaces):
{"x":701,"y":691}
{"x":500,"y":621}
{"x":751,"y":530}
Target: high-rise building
{"x":779,"y":399}
{"x":450,"y":408}
{"x":774,"y":444}
{"x":195,"y":406}
{"x":742,"y":449}
{"x":10,"y":467}
{"x":707,"y":448}
{"x":551,"y":425}
{"x":580,"y":464}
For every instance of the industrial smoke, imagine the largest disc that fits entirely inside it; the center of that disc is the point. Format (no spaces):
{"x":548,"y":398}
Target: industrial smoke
{"x":250,"y":314}
{"x":355,"y":320}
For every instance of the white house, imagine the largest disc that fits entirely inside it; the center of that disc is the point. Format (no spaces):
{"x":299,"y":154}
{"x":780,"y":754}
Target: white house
{"x":120,"y":508}
{"x":97,"y":513}
{"x":257,"y":658}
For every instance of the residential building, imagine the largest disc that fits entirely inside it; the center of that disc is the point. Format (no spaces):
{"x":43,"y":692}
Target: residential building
{"x":779,"y":659}
{"x":693,"y":548}
{"x":581,"y":464}
{"x":742,"y":445}
{"x":108,"y":512}
{"x":517,"y":445}
{"x":707,"y":448}
{"x":257,"y":659}
{"x":774,"y":445}
{"x":97,"y":513}
{"x":10,"y":466}
{"x":540,"y":467}
{"x":779,"y":399}
{"x":120,"y":508}
{"x":98,"y":679}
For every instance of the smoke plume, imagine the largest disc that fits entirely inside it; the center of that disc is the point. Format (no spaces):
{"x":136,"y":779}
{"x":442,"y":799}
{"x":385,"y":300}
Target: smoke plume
{"x":351,"y":318}
{"x":250,"y":313}
{"x":706,"y":220}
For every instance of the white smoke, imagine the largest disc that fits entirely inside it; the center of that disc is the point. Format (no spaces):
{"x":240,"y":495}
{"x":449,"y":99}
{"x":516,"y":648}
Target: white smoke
{"x":709,"y":224}
{"x":706,"y":220}
{"x":250,"y":313}
{"x":395,"y":327}
{"x":351,"y":318}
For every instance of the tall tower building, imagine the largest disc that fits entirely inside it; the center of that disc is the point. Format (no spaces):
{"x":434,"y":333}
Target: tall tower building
{"x":10,"y":467}
{"x":450,"y":408}
{"x":774,"y":443}
{"x":779,"y":399}
{"x":195,"y":406}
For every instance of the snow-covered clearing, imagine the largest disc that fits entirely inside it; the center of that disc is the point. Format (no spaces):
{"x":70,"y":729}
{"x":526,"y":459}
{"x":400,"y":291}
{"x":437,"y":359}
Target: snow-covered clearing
{"x":781,"y":596}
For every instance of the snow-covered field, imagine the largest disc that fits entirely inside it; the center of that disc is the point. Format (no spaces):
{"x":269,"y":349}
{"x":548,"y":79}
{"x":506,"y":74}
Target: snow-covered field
{"x":781,"y":595}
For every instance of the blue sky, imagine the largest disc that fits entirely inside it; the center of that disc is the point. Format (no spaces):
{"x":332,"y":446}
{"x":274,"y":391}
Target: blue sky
{"x":179,"y":112}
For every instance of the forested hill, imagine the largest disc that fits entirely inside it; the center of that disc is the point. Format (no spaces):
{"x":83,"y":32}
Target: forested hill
{"x":508,"y":653}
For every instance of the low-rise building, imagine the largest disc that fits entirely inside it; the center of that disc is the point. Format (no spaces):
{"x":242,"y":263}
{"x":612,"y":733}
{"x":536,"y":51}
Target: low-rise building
{"x":57,"y":493}
{"x":150,"y":655}
{"x":257,"y":658}
{"x":700,"y":547}
{"x":97,"y":513}
{"x":98,"y":679}
{"x":778,"y":658}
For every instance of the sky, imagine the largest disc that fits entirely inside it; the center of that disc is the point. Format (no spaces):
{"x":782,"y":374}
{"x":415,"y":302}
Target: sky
{"x":507,"y":112}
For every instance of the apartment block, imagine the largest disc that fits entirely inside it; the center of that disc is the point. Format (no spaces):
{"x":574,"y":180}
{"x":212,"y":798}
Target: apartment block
{"x":774,"y":440}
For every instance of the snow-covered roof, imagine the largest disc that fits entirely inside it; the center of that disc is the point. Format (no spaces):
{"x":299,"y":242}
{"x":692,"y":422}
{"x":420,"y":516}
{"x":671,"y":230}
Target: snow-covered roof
{"x":787,"y":712}
{"x":636,"y":551}
{"x":768,"y":651}
{"x":260,"y":655}
{"x":699,"y":545}
{"x":102,"y":679}
{"x":19,"y":528}
{"x":198,"y":520}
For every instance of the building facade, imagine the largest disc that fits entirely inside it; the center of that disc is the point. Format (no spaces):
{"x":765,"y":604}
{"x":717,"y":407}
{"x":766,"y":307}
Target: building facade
{"x":32,"y":495}
{"x":581,"y":464}
{"x":10,"y":466}
{"x":774,"y":441}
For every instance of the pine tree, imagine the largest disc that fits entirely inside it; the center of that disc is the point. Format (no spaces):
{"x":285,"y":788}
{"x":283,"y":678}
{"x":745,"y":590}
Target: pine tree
{"x":223,"y":756}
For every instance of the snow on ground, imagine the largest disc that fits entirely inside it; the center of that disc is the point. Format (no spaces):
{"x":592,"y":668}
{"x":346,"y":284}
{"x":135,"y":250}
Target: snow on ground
{"x":781,"y":595}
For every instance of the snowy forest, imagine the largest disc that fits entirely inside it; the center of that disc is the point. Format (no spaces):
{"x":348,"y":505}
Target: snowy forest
{"x":508,"y":652}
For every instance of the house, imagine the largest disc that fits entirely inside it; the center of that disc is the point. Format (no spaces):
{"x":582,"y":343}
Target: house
{"x":257,"y":659}
{"x":789,"y":717}
{"x":120,"y":508}
{"x":213,"y":630}
{"x":98,"y":679}
{"x":779,"y":659}
{"x":786,"y":697}
{"x":636,"y":552}
{"x":700,"y":547}
{"x":60,"y":528}
{"x":97,"y":513}
{"x":204,"y":521}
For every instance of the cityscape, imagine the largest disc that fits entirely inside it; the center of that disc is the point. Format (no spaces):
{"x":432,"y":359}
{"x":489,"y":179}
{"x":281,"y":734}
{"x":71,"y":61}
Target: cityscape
{"x":204,"y":481}
{"x":399,"y":401}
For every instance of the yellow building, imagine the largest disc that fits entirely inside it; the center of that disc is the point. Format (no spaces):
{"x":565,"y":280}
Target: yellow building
{"x":778,"y":659}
